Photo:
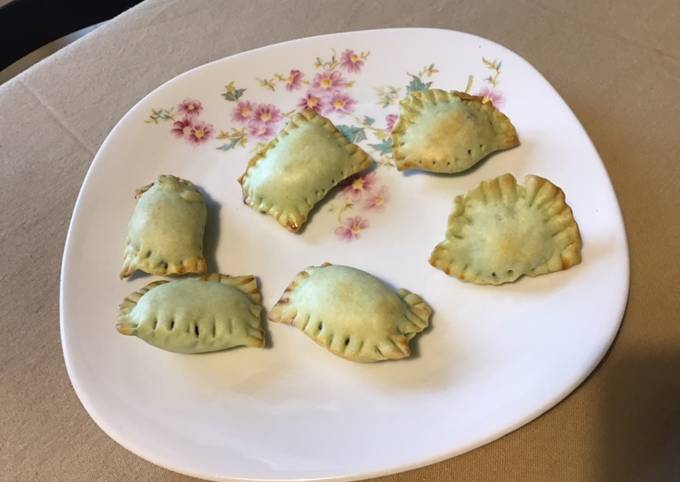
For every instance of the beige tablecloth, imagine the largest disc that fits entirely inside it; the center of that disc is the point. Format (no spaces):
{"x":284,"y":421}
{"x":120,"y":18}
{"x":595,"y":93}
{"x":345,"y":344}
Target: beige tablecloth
{"x":617,"y":64}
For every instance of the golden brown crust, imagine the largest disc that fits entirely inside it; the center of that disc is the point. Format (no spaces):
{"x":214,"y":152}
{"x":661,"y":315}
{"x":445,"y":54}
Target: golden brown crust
{"x":144,"y":258}
{"x":501,"y":230}
{"x":412,"y":109}
{"x":131,"y":300}
{"x":283,"y":311}
{"x":188,"y":266}
{"x":247,"y":284}
{"x":342,"y":330}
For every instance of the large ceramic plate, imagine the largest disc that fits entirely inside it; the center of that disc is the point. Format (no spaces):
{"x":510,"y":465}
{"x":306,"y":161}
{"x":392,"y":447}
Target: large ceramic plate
{"x":495,"y":358}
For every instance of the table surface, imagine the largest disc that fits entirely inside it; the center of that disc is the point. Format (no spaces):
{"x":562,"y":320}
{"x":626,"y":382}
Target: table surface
{"x":617,"y":64}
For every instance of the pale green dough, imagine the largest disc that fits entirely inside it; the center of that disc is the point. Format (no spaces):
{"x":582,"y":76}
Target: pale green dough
{"x":286,"y":177}
{"x":296,"y":170}
{"x":195,"y":315}
{"x":352,"y":313}
{"x":444,"y":131}
{"x":165,"y":232}
{"x":447,"y":131}
{"x":501,"y":230}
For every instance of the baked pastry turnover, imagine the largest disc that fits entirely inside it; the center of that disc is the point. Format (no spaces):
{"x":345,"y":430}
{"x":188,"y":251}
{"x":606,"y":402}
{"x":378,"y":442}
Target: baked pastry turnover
{"x":195,"y":315}
{"x":297,"y":168}
{"x":351,"y":313}
{"x":448,"y":132}
{"x":501,"y":230}
{"x":165,"y":232}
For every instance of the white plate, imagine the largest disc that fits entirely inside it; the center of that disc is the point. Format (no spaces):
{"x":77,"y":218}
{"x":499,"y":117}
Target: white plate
{"x":495,"y":358}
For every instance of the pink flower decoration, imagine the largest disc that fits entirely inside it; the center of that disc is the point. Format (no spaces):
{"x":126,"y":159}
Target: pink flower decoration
{"x":312,"y":102}
{"x":294,"y":80}
{"x":260,"y":130}
{"x":341,"y":103}
{"x":189,"y":107}
{"x":351,"y":61}
{"x":200,"y":132}
{"x":358,"y":186}
{"x":243,"y":112}
{"x":267,"y":114}
{"x":182,"y":128}
{"x":328,"y":81}
{"x":351,"y":228}
{"x":377,"y":200}
{"x":493,"y":96}
{"x":391,"y":119}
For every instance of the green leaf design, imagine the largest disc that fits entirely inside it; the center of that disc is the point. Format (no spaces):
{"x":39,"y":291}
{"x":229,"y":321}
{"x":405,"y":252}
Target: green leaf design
{"x":368,"y":120}
{"x":161,"y":114}
{"x":231,"y":93}
{"x":490,"y":64}
{"x":234,"y":95}
{"x":353,"y":134}
{"x":267,"y":83}
{"x":227,"y":146}
{"x":385,"y":147}
{"x":417,"y":85}
{"x":387,"y":95}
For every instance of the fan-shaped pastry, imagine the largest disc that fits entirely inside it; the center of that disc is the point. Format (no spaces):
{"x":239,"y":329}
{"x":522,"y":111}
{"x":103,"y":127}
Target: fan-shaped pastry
{"x":195,"y":315}
{"x":351,"y":313}
{"x":297,"y":168}
{"x":501,"y":230}
{"x":442,"y":131}
{"x":165,"y":232}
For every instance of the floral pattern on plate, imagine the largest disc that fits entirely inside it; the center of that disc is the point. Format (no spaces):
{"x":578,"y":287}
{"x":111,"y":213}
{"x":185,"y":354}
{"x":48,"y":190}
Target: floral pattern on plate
{"x":326,"y":90}
{"x":366,"y":194}
{"x":186,"y":124}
